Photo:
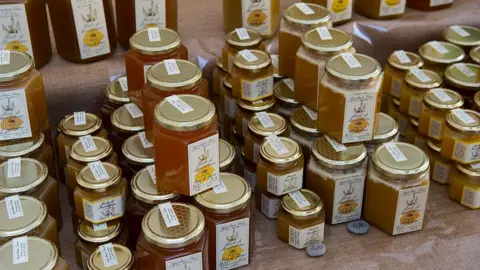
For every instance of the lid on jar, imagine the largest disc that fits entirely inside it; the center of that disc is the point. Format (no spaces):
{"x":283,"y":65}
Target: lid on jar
{"x":227,"y":82}
{"x":336,"y":43}
{"x":263,"y":61}
{"x":472,"y":170}
{"x":386,"y":129}
{"x":169,"y":41}
{"x":92,"y":124}
{"x":327,"y":155}
{"x":20,"y":63}
{"x":302,"y":121}
{"x":254,"y":39}
{"x":188,"y":76}
{"x":271,"y":155}
{"x":145,"y":189}
{"x":122,"y":120}
{"x":294,"y":16}
{"x":86,"y":179}
{"x":171,"y":117}
{"x":257,"y":106}
{"x":104,"y":150}
{"x":434,"y":146}
{"x":115,"y":94}
{"x":33,"y":173}
{"x":464,"y":76}
{"x":21,"y":149}
{"x":87,"y":232}
{"x":441,"y":52}
{"x":469,"y":124}
{"x":443,"y":99}
{"x":227,"y":155}
{"x":368,"y":71}
{"x":219,"y":63}
{"x":415,"y":61}
{"x":189,"y":231}
{"x":133,"y":151}
{"x":416,"y":163}
{"x":284,"y":93}
{"x":34,"y":214}
{"x":125,"y":259}
{"x":280,"y":125}
{"x":475,"y":54}
{"x":462,"y":35}
{"x":316,"y":205}
{"x":235,"y":196}
{"x":42,"y":255}
{"x":413,"y":79}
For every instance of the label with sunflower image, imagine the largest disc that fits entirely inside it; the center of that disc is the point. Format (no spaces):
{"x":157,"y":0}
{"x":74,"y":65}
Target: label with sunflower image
{"x":341,"y":9}
{"x":359,"y":116}
{"x":91,"y":27}
{"x":256,"y":15}
{"x":411,"y":204}
{"x":15,"y":35}
{"x":233,"y":243}
{"x":392,"y":7}
{"x":150,"y":13}
{"x":203,"y":164}
{"x":14,"y":117}
{"x":302,"y":238}
{"x":348,"y":198}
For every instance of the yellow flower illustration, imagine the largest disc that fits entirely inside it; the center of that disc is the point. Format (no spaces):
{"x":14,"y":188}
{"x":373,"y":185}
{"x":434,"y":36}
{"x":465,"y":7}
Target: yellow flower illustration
{"x":358,"y":125}
{"x":92,"y":38}
{"x":204,"y":173}
{"x":339,"y":5}
{"x":257,"y":18}
{"x":409,"y":217}
{"x":392,"y":2}
{"x":232,"y":253}
{"x":16,"y":46}
{"x":347,"y":207}
{"x":11,"y":123}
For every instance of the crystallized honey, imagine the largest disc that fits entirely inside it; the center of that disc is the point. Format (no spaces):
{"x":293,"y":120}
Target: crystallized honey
{"x":412,"y":136}
{"x":440,"y":167}
{"x":464,"y":185}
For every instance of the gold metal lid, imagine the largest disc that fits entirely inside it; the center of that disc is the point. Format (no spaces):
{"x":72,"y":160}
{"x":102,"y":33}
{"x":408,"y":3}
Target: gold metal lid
{"x":169,"y":117}
{"x":33,"y":171}
{"x":234,"y":40}
{"x":227,"y":82}
{"x":227,"y":155}
{"x":326,"y":155}
{"x":475,"y":54}
{"x":283,"y":93}
{"x":104,"y":149}
{"x":235,"y":198}
{"x":413,"y":81}
{"x":145,"y":190}
{"x":295,"y":17}
{"x":415,"y":61}
{"x":291,"y":207}
{"x":256,"y":127}
{"x":67,"y":125}
{"x":115,"y":94}
{"x":122,"y":120}
{"x":416,"y":165}
{"x":87,"y":233}
{"x":458,"y":78}
{"x":263,"y":61}
{"x":124,"y":256}
{"x":369,"y":71}
{"x":270,"y":154}
{"x":42,"y":255}
{"x":20,"y":64}
{"x":301,"y":121}
{"x":454,"y":53}
{"x":470,"y":40}
{"x":192,"y":224}
{"x":469,"y":170}
{"x":219,"y":63}
{"x":386,"y":129}
{"x":133,"y":151}
{"x":433,"y":101}
{"x":454,"y":123}
{"x":21,"y":149}
{"x":189,"y":76}
{"x":257,"y":106}
{"x":169,"y":41}
{"x":434,"y":146}
{"x":34,"y":214}
{"x":340,"y":42}
{"x":86,"y":179}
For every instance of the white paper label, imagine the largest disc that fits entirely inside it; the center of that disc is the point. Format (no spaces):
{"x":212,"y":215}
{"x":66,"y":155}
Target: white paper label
{"x":336,"y":145}
{"x":277,"y":144}
{"x":20,"y":250}
{"x":351,"y":61}
{"x":178,"y":103}
{"x":153,"y":34}
{"x":233,"y":244}
{"x":290,"y":83}
{"x":100,"y":226}
{"x":396,"y":153}
{"x":265,"y":120}
{"x":459,"y":30}
{"x":171,"y":67}
{"x":256,"y":152}
{"x":108,"y":255}
{"x":14,"y":167}
{"x":359,"y":116}
{"x":145,"y":142}
{"x":396,"y":90}
{"x":283,"y":184}
{"x":251,"y":178}
{"x":15,"y":35}
{"x":150,"y":13}
{"x":465,"y":70}
{"x":470,"y":197}
{"x":466,"y":153}
{"x":441,"y":172}
{"x":415,"y":106}
{"x":348,"y":198}
{"x":434,"y":3}
{"x":305,"y":8}
{"x":311,"y":113}
{"x":123,"y":82}
{"x":250,"y":11}
{"x":134,"y":111}
{"x":4,"y":57}
{"x":388,"y":7}
{"x":324,"y":33}
{"x":402,"y":57}
{"x":220,"y":188}
{"x":87,"y":143}
{"x":442,"y":95}
{"x":411,"y":205}
{"x":248,"y":55}
{"x":145,"y":70}
{"x":438,"y":47}
{"x":14,"y":115}
{"x":257,"y":89}
{"x":242,"y":33}
{"x":270,"y":206}
{"x":341,"y":10}
{"x":435,"y":129}
{"x":301,"y":238}
{"x":151,"y":172}
{"x":230,"y":107}
{"x":14,"y":207}
{"x":79,"y":118}
{"x":190,"y":262}
{"x":203,"y":164}
{"x":420,"y":75}
{"x":299,"y":199}
{"x":98,"y":170}
{"x":244,"y":127}
{"x":463,"y":116}
{"x":168,"y":214}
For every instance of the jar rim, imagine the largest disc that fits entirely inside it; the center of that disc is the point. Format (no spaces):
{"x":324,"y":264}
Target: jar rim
{"x":290,"y":206}
{"x":413,"y":81}
{"x":124,"y":256}
{"x":368,"y":72}
{"x":21,"y":149}
{"x":144,"y":190}
{"x":39,"y":177}
{"x":28,"y":222}
{"x":454,"y":54}
{"x":433,"y":101}
{"x":113,"y":90}
{"x":325,"y":154}
{"x":67,"y":125}
{"x":263,"y":61}
{"x":282,"y":92}
{"x":86,"y":180}
{"x":43,"y":254}
{"x":270,"y":155}
{"x":104,"y":149}
{"x":255,"y":126}
{"x":457,"y":78}
{"x":158,"y":77}
{"x":340,"y":42}
{"x":415,"y":61}
{"x":134,"y":151}
{"x":459,"y":126}
{"x":20,"y":63}
{"x":170,"y":41}
{"x":295,"y":17}
{"x":301,"y":121}
{"x":257,"y":106}
{"x":453,"y":37}
{"x":227,"y":154}
{"x":122,"y":120}
{"x":87,"y":233}
{"x":254,"y":40}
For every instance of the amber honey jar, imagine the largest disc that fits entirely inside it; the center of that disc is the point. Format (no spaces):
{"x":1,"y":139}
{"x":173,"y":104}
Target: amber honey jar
{"x":429,"y":5}
{"x":440,"y":167}
{"x":437,"y":55}
{"x":218,"y":76}
{"x":125,"y":259}
{"x":136,"y":156}
{"x":227,"y":156}
{"x":412,"y":136}
{"x":116,"y":95}
{"x":475,"y":55}
{"x":284,"y":92}
{"x":304,"y":224}
{"x":229,"y":107}
{"x":297,"y":19}
{"x":187,"y":126}
{"x":84,"y":31}
{"x":463,"y":78}
{"x":184,"y":245}
{"x":397,"y":188}
{"x":349,"y":98}
{"x":147,"y":49}
{"x":464,"y":36}
{"x":341,"y":10}
{"x":464,"y":185}
{"x":228,"y":212}
{"x":387,"y":130}
{"x":248,"y":170}
{"x":267,"y":203}
{"x":400,"y":118}
{"x":318,"y":46}
{"x":436,"y":104}
{"x":247,"y":110}
{"x":304,"y":129}
{"x":125,"y":125}
{"x":239,"y":40}
{"x":381,"y":9}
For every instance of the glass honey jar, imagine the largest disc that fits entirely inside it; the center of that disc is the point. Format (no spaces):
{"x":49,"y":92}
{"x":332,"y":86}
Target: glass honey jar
{"x":124,"y":125}
{"x":349,"y":98}
{"x":136,"y":156}
{"x":397,"y":188}
{"x":464,"y":185}
{"x":387,"y":130}
{"x":267,"y":203}
{"x":475,"y":55}
{"x":437,"y":55}
{"x":417,"y":83}
{"x":304,"y":129}
{"x":440,"y":167}
{"x":284,"y":92}
{"x":463,"y":78}
{"x":247,"y":110}
{"x":429,"y":5}
{"x":464,"y":36}
{"x":182,"y":246}
{"x":381,"y":9}
{"x":400,"y":118}
{"x":228,"y":105}
{"x":413,"y":137}
{"x":84,"y":31}
{"x":248,"y":170}
{"x":136,"y":15}
{"x":318,"y":46}
{"x":301,"y":225}
{"x":228,"y":212}
{"x":125,"y":259}
{"x":239,"y":40}
{"x":218,"y":76}
{"x":341,"y":11}
{"x":144,"y":52}
{"x":116,"y":95}
{"x":191,"y":132}
{"x":227,"y":156}
{"x":297,"y":19}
